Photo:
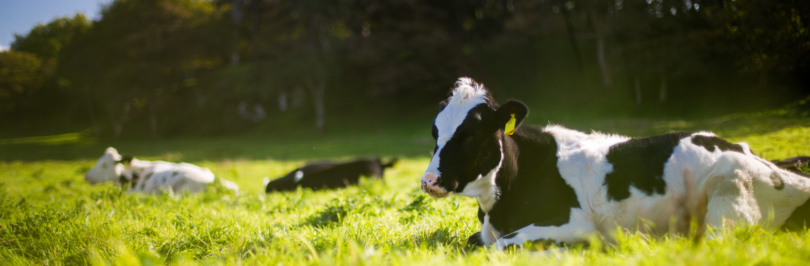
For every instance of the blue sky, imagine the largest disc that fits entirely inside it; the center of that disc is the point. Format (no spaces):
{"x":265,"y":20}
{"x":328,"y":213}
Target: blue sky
{"x":19,"y":16}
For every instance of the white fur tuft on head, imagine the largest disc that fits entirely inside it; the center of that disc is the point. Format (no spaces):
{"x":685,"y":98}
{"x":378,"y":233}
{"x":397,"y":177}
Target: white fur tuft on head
{"x":466,"y":89}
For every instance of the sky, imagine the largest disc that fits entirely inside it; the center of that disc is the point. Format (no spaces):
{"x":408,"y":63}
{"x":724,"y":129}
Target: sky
{"x":19,"y":16}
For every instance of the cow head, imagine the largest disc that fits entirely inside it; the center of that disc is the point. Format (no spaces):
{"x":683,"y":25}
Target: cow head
{"x":108,"y":168}
{"x":469,"y":132}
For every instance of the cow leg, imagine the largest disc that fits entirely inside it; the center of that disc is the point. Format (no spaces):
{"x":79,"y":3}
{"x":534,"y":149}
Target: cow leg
{"x":730,"y":190}
{"x":475,"y":240}
{"x":576,"y":230}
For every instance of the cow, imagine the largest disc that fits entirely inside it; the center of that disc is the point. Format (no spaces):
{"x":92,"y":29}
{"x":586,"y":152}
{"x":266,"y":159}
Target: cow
{"x":793,"y":164}
{"x":558,"y":185}
{"x":328,"y":175}
{"x":151,"y":177}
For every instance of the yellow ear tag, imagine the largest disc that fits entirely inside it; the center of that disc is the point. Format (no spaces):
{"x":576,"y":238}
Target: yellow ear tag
{"x":510,"y":126}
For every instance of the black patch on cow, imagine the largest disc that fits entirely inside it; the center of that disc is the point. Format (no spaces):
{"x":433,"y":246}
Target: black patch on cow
{"x":640,"y":162}
{"x":710,"y":142}
{"x":475,"y":241}
{"x":778,"y":182}
{"x":126,"y":159}
{"x":532,"y":189}
{"x":174,"y":173}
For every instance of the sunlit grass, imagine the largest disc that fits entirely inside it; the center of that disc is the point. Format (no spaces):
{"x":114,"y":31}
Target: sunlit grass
{"x":49,"y":215}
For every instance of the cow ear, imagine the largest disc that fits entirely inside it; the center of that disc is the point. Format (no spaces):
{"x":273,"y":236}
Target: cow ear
{"x":126,"y":159}
{"x":510,"y":109}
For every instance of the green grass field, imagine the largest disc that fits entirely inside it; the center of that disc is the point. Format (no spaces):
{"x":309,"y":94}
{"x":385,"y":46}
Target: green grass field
{"x":50,"y":216}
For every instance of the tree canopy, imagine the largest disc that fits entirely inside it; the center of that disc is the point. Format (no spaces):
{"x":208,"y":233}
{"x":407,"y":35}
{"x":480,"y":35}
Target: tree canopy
{"x":168,"y":67}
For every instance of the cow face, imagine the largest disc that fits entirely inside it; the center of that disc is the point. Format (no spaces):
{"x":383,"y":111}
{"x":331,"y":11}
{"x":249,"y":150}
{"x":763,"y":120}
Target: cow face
{"x":108,"y":168}
{"x":469,"y":136}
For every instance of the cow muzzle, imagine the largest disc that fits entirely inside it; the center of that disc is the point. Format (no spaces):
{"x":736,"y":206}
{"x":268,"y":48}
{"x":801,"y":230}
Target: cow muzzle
{"x":430,"y":185}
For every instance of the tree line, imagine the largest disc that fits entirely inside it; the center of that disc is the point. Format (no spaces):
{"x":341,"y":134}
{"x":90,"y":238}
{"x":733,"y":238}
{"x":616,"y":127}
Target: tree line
{"x":175,"y":67}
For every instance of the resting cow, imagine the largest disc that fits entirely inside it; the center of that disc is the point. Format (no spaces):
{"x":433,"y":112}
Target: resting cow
{"x":151,"y":176}
{"x":560,"y":185}
{"x":325,"y":175}
{"x":793,"y":164}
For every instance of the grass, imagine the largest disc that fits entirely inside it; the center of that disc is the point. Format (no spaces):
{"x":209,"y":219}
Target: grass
{"x":49,"y":216}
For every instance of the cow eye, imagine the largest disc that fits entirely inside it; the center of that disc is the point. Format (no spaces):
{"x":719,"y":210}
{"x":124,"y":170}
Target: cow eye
{"x":104,"y":166}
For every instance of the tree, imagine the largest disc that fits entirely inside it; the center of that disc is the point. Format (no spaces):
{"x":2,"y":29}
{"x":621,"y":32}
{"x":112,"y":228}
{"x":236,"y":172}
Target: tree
{"x":22,"y":76}
{"x":764,"y":36}
{"x":46,"y":41}
{"x":141,"y":53}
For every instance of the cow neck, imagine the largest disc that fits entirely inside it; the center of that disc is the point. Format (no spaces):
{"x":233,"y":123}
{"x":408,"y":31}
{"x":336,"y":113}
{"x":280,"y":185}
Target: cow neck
{"x":508,"y":173}
{"x":135,"y":167}
{"x":504,"y":171}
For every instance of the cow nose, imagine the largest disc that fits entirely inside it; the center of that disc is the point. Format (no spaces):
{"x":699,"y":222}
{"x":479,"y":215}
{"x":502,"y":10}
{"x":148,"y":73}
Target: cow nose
{"x":430,"y":179}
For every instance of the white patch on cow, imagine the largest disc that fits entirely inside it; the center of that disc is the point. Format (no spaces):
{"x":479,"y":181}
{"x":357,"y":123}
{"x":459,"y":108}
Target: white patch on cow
{"x":466,"y":96}
{"x":483,"y":188}
{"x":746,"y":149}
{"x":488,"y":233}
{"x":299,"y":175}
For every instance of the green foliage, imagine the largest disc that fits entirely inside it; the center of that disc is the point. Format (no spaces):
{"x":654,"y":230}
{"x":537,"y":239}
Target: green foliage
{"x":46,"y":41}
{"x":22,"y":76}
{"x":765,"y":36}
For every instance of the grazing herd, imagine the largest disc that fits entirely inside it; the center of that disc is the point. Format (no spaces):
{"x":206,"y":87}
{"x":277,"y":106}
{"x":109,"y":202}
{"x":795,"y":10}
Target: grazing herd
{"x":550,"y":184}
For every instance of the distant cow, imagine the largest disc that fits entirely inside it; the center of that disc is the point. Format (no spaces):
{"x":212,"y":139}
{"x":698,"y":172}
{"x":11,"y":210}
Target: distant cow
{"x":326,"y":175}
{"x":560,"y":185}
{"x":793,"y":163}
{"x":151,"y":176}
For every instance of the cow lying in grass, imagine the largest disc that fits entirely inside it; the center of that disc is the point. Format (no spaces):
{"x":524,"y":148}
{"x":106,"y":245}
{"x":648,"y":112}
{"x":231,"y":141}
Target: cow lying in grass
{"x":326,"y":175}
{"x":560,"y":185}
{"x":151,"y":176}
{"x":793,"y":164}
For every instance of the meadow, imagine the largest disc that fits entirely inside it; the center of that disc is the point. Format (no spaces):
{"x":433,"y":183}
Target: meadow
{"x":50,"y":216}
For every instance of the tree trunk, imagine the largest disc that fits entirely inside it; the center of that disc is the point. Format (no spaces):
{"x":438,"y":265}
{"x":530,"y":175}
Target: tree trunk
{"x":638,"y":91}
{"x":320,"y":119}
{"x":763,"y":79}
{"x":662,"y":94}
{"x":118,"y":122}
{"x":153,"y":130}
{"x":236,"y":14}
{"x":569,"y":27}
{"x":317,"y":88}
{"x":607,"y":81}
{"x":254,"y":32}
{"x":92,"y":112}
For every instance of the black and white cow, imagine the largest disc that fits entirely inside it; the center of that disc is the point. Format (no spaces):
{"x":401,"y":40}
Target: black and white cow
{"x":793,"y":164}
{"x":561,"y":185}
{"x":326,"y":175}
{"x":151,"y":176}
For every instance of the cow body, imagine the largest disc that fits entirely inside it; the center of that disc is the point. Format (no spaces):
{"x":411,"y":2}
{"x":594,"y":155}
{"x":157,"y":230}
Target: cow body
{"x":152,"y":177}
{"x":328,"y":175}
{"x":560,"y":185}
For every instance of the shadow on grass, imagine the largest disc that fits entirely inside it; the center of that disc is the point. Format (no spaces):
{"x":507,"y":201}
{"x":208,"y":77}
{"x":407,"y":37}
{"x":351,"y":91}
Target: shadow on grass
{"x":401,"y":140}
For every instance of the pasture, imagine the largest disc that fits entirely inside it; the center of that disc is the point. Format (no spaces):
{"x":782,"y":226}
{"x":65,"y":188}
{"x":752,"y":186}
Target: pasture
{"x":50,"y":216}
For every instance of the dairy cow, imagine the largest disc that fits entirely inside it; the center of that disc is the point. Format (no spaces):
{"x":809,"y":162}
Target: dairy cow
{"x":151,"y":176}
{"x":329,"y":175}
{"x":555,"y":184}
